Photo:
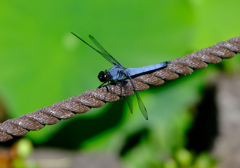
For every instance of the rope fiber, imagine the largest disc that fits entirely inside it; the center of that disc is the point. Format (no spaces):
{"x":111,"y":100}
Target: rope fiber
{"x":97,"y":98}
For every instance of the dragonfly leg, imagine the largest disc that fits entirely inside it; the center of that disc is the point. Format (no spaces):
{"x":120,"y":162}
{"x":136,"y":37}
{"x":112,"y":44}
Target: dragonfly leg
{"x":101,"y":84}
{"x":110,"y":89}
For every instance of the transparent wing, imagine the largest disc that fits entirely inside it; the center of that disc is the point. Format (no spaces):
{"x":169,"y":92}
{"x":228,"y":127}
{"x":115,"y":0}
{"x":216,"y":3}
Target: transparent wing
{"x":105,"y":54}
{"x":130,"y":104}
{"x":88,"y":44}
{"x":141,"y":106}
{"x":99,"y":45}
{"x":140,"y":103}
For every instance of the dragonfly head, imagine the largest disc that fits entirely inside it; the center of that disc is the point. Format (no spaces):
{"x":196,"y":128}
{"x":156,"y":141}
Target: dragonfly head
{"x":103,"y":76}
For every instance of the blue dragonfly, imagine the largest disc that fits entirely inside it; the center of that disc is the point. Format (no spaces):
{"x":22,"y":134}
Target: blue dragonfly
{"x":119,"y":74}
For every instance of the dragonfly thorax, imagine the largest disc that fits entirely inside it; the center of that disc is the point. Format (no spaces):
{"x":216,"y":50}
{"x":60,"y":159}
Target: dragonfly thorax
{"x":117,"y":73}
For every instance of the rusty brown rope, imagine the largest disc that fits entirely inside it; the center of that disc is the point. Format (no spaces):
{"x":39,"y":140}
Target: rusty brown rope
{"x":98,"y":97}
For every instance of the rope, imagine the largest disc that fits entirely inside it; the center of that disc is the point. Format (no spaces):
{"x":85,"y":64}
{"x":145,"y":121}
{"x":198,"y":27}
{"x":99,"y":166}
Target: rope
{"x":97,"y":98}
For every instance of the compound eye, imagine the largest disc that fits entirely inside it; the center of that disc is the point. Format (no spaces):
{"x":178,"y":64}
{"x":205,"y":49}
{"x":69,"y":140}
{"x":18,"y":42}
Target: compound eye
{"x":102,"y":76}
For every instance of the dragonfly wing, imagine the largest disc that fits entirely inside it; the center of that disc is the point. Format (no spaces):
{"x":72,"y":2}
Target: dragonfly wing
{"x":141,"y":106}
{"x":98,"y":44}
{"x":105,"y":54}
{"x":102,"y":51}
{"x":130,"y":103}
{"x":140,"y":103}
{"x":87,"y":44}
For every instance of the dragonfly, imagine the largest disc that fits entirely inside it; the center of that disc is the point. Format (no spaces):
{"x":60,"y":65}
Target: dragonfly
{"x":119,"y":74}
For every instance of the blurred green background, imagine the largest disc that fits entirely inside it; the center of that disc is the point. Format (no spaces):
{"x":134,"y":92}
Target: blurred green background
{"x":41,"y":63}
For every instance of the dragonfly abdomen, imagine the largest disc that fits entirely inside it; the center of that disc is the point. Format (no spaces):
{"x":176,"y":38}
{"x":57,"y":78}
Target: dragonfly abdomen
{"x":137,"y":71}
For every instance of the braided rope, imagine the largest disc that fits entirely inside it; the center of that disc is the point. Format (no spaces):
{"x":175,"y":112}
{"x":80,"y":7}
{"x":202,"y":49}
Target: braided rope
{"x":97,"y":98}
